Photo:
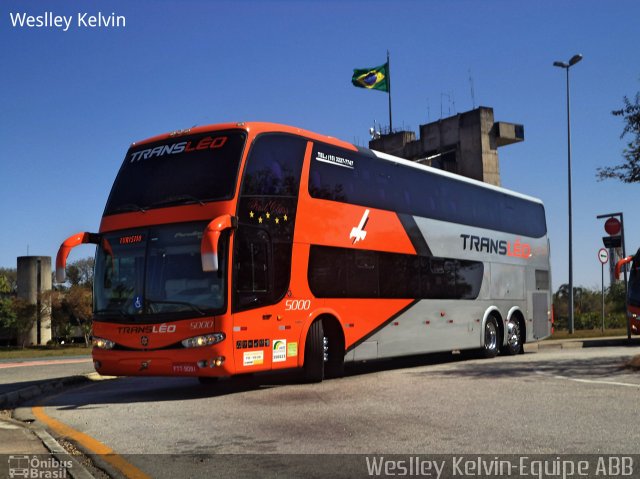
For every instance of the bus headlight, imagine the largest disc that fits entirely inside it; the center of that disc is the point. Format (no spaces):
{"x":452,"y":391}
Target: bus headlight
{"x":204,"y":340}
{"x":103,"y":343}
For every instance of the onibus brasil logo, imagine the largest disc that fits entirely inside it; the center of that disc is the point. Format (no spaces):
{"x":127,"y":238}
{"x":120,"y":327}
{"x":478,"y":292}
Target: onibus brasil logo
{"x":38,"y":467}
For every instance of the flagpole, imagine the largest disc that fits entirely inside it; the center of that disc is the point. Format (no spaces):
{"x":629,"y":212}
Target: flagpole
{"x":389,"y":87}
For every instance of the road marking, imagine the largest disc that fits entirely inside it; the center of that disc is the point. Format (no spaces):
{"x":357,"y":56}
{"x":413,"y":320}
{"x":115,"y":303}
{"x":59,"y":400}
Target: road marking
{"x":93,"y":445}
{"x":590,"y":381}
{"x":44,"y":363}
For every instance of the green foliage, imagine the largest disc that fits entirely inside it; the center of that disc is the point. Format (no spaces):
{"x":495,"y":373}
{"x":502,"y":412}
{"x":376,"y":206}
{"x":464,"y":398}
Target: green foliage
{"x":4,"y":285}
{"x":70,"y":307}
{"x":80,"y":273}
{"x":629,"y":171}
{"x":587,"y":307}
{"x":7,"y":313}
{"x":8,"y":280}
{"x":25,"y":318}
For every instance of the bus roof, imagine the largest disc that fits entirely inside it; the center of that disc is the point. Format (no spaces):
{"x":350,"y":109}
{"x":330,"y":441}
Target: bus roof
{"x":437,"y":171}
{"x":251,"y":127}
{"x":264,"y":127}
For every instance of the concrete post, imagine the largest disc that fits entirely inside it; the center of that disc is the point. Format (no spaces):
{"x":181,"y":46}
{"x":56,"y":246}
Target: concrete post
{"x":34,"y":279}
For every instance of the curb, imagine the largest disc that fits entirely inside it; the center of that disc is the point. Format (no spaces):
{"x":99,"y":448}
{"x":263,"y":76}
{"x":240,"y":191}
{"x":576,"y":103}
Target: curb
{"x":557,"y":344}
{"x":77,"y":470}
{"x":13,"y":398}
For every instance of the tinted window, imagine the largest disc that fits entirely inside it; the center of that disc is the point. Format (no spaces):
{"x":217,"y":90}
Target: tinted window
{"x":274,"y":166}
{"x":252,"y":267}
{"x":177,"y":171}
{"x":349,"y":273}
{"x":341,"y":175}
{"x":155,"y":274}
{"x":266,"y":218}
{"x":634,"y":281}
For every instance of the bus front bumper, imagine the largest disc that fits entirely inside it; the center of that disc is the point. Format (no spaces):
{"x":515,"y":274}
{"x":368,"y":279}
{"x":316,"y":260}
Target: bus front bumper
{"x":188,"y":362}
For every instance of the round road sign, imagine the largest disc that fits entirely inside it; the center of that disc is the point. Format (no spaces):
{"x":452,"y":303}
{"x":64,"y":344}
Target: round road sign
{"x":603,"y":256}
{"x":612,"y":226}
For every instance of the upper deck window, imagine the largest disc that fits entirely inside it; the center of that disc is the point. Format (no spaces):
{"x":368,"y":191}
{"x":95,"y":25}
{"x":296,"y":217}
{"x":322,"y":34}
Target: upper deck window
{"x":186,"y":169}
{"x":349,"y":177}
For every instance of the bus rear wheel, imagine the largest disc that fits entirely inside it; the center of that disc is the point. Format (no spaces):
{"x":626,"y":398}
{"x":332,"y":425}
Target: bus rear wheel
{"x":314,"y":353}
{"x":514,"y":338}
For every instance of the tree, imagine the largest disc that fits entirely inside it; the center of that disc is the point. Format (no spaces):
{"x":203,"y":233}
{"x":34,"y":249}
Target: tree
{"x":5,"y":287}
{"x":80,"y":273}
{"x":24,"y":319}
{"x":7,"y":313}
{"x":8,"y":280}
{"x":616,"y":298}
{"x":78,"y":304}
{"x":629,"y":171}
{"x":587,"y":311}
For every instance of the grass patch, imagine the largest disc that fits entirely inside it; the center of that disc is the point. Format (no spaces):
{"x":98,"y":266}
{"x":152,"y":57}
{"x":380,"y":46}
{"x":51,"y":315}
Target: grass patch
{"x":588,"y":333}
{"x":43,"y":351}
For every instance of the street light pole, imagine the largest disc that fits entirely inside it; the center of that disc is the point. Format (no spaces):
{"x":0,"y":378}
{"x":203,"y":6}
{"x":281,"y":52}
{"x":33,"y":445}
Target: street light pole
{"x":566,"y":65}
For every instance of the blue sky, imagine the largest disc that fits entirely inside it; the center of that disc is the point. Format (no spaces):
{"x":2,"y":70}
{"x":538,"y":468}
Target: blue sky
{"x":73,"y":101}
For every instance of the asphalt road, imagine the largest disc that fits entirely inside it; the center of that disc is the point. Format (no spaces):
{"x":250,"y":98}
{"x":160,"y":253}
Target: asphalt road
{"x":16,"y":374}
{"x":578,"y":401}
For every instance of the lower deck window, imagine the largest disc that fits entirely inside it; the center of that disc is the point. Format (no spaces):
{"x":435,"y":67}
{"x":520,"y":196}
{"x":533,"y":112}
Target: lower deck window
{"x":350,"y":273}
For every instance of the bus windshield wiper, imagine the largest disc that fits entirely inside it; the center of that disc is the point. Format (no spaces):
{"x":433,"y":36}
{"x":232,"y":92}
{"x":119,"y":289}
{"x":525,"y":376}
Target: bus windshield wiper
{"x":179,"y":199}
{"x":151,"y":302}
{"x":129,"y":207}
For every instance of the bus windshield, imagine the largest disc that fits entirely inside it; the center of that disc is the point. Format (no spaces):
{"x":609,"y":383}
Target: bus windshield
{"x":186,"y":169}
{"x":155,"y":274}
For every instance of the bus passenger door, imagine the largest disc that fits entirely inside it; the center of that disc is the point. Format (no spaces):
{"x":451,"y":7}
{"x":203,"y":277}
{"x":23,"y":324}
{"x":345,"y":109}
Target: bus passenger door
{"x":253,"y":291}
{"x":263,"y":334}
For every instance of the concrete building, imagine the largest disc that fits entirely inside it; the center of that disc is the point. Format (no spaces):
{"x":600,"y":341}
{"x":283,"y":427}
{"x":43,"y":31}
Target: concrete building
{"x":466,"y":144}
{"x":34,"y":279}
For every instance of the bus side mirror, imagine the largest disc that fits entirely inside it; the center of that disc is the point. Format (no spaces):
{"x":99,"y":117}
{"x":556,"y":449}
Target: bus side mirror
{"x":620,"y":264}
{"x":66,"y":247}
{"x":210,"y":238}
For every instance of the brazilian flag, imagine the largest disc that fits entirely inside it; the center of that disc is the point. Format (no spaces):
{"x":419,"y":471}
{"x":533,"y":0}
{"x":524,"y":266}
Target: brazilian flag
{"x":376,"y":78}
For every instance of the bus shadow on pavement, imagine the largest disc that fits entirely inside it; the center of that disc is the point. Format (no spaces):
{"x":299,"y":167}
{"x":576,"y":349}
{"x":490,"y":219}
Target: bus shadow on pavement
{"x":159,"y":389}
{"x":584,"y":368}
{"x":126,"y":390}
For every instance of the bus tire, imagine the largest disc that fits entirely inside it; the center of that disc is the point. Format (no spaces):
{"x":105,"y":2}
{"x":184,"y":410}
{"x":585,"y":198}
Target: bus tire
{"x":314,"y":354}
{"x":491,"y":334}
{"x":513,"y":344}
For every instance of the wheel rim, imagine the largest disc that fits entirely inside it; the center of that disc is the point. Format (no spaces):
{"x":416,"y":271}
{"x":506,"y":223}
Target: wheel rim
{"x":513,"y":334}
{"x":490,"y":336}
{"x":325,"y":349}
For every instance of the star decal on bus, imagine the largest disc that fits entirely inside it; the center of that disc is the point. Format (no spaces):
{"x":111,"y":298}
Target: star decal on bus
{"x":266,"y":216}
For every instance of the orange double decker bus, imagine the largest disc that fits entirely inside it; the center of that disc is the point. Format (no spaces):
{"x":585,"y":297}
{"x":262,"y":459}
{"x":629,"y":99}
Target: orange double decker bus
{"x":633,"y":291}
{"x":247,"y":247}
